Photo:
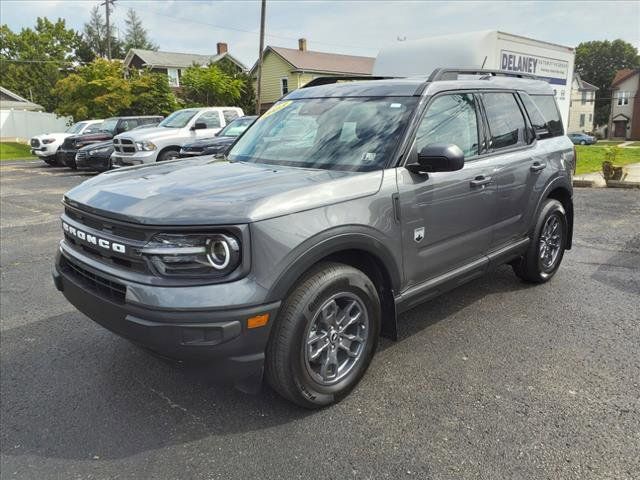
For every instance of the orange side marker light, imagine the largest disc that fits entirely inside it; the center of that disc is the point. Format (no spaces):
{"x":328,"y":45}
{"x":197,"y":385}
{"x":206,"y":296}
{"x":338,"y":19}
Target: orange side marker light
{"x":258,"y":321}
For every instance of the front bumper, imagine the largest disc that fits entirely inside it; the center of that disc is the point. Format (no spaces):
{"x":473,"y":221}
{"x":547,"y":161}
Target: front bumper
{"x":43,"y":152}
{"x":95,"y":163}
{"x":216,"y":336}
{"x":137,"y":158}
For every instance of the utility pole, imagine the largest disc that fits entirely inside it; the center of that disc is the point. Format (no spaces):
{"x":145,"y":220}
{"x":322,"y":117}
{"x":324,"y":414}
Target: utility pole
{"x":262,"y":12}
{"x":107,"y":4}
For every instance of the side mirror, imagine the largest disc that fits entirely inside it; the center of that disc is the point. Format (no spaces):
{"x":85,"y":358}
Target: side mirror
{"x":438,"y":157}
{"x":199,"y":126}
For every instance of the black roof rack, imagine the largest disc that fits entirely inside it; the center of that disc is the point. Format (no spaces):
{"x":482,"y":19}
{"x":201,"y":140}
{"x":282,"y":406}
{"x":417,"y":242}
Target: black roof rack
{"x":452,"y":73}
{"x":328,"y":80}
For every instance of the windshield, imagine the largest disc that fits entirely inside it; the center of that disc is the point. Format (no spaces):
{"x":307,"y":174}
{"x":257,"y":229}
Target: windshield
{"x":178,"y":119}
{"x":236,"y":127}
{"x":354,"y":133}
{"x":76,"y":127}
{"x":109,"y":125}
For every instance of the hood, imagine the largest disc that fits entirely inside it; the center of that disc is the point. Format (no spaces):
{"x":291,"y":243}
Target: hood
{"x":56,"y":136}
{"x":87,"y":138}
{"x":209,"y":192}
{"x":91,"y":146}
{"x":209,"y":142}
{"x":151,"y":134}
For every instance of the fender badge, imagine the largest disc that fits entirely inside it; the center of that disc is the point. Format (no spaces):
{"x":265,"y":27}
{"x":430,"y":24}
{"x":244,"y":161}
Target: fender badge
{"x":418,"y":234}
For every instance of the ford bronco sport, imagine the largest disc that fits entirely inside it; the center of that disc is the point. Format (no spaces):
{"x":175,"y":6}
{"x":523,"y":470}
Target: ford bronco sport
{"x":344,"y":205}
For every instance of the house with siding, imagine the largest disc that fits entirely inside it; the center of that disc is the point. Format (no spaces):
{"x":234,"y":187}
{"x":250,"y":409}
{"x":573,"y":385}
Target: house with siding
{"x":173,"y":64}
{"x":624,"y":121}
{"x":286,"y":69}
{"x":581,"y":105}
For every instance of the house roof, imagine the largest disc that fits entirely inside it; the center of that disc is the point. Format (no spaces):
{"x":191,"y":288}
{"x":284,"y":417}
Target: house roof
{"x":622,"y":75}
{"x":153,"y":58}
{"x":310,"y":61}
{"x":582,"y":85}
{"x":9,"y":100}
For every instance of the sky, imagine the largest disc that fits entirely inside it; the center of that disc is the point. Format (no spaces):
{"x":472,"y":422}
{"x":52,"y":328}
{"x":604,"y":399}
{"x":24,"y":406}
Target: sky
{"x":348,"y":27}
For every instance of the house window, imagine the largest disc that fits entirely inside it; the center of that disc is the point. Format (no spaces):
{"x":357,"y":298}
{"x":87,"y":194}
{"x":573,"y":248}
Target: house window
{"x":174,"y":78}
{"x":582,"y":119}
{"x":584,"y":98}
{"x":623,"y":98}
{"x":590,"y":117}
{"x":284,"y":86}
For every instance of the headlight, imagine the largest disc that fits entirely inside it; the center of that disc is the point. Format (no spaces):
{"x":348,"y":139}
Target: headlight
{"x":99,"y":150}
{"x":201,"y":255}
{"x":145,"y":146}
{"x":47,"y":141}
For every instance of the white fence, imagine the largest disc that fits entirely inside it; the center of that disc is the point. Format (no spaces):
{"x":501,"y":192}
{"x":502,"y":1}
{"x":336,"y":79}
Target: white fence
{"x":21,"y":125}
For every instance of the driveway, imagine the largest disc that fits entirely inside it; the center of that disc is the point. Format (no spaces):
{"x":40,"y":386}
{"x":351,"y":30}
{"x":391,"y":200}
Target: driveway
{"x":496,"y":380}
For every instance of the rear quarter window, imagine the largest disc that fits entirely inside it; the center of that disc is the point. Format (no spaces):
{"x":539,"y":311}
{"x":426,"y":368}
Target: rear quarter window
{"x":547,"y":106}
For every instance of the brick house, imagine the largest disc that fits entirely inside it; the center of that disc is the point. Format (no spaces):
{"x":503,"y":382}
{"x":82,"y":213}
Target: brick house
{"x":624,"y":121}
{"x":581,"y":105}
{"x":173,"y":64}
{"x":286,"y":69}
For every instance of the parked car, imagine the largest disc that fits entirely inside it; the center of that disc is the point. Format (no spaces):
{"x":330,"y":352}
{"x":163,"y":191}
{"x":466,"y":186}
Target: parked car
{"x":97,"y":156}
{"x":221,"y":142}
{"x":296,"y":254}
{"x":164,"y":142}
{"x":108,"y":128}
{"x":46,"y":146}
{"x":582,"y":139}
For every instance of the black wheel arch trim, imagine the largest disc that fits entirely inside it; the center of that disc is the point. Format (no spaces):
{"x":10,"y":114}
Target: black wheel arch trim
{"x":559,"y":182}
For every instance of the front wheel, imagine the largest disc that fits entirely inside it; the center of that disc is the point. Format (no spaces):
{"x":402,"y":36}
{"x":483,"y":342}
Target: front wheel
{"x":325,"y":336}
{"x":545,"y":252}
{"x":168,"y":155}
{"x":582,"y":142}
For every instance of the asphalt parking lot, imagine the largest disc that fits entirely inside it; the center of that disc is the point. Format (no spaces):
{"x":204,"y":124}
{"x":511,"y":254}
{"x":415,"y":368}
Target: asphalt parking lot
{"x":496,"y":380}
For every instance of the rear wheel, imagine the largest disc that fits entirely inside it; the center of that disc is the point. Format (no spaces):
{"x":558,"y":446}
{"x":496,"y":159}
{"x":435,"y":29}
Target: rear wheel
{"x":168,"y":155}
{"x":325,"y":336}
{"x":582,"y":142}
{"x":545,"y":252}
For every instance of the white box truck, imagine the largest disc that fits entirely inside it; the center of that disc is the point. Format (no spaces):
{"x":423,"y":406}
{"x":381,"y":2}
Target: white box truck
{"x":489,"y":49}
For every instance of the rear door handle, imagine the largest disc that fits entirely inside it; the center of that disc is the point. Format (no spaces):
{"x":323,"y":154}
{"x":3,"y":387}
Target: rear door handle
{"x":480,"y":180}
{"x":537,"y":166}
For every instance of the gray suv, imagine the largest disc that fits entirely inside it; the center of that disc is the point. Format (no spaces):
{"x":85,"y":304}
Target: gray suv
{"x":344,"y":205}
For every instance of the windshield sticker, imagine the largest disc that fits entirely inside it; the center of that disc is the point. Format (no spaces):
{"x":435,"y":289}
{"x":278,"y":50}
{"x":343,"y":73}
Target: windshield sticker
{"x":395,"y":105}
{"x":276,"y":108}
{"x":368,"y":157}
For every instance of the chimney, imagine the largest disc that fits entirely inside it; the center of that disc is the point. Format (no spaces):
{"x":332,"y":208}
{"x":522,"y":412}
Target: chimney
{"x":222,"y":48}
{"x":302,"y":44}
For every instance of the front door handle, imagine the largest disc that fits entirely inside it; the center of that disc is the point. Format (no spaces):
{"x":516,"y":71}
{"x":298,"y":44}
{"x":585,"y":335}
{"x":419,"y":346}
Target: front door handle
{"x":537,"y":166}
{"x":480,"y":180}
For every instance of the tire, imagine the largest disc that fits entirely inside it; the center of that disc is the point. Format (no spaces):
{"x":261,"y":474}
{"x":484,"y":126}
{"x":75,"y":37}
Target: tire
{"x":51,"y":161}
{"x":310,"y":311}
{"x":168,"y":155}
{"x":533,"y":267}
{"x":582,"y":142}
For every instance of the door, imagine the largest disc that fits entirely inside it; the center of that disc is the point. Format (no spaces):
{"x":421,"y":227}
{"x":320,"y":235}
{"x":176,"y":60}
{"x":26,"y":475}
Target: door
{"x":213,"y":122}
{"x":447,"y":217}
{"x":517,"y":165}
{"x":620,"y":128}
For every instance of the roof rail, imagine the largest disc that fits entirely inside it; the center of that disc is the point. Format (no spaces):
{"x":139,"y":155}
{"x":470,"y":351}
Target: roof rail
{"x":452,"y":73}
{"x":329,"y":80}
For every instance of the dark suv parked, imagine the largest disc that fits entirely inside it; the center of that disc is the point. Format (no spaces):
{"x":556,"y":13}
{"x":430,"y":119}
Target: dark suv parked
{"x":342,"y":206}
{"x":221,"y":142}
{"x":108,"y":129}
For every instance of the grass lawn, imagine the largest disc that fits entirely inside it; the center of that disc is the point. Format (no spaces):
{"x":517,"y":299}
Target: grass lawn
{"x":590,"y":157}
{"x":15,"y":151}
{"x":608,"y":143}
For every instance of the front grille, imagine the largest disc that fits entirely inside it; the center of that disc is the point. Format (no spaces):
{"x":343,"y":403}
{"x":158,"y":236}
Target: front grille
{"x":81,"y":155}
{"x":124,"y":145}
{"x":105,"y":288}
{"x":106,"y":226}
{"x":35,"y":143}
{"x":69,"y":143}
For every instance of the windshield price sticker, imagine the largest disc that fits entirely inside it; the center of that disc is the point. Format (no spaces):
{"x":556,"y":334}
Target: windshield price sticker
{"x":276,"y":108}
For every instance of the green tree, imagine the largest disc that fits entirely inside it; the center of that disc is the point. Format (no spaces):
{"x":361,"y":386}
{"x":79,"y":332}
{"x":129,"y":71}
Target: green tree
{"x":151,"y":95}
{"x":33,"y":60}
{"x":95,"y":36}
{"x":96,"y":90}
{"x":136,"y":35}
{"x":209,"y":86}
{"x":247,"y":100}
{"x":597,"y":63}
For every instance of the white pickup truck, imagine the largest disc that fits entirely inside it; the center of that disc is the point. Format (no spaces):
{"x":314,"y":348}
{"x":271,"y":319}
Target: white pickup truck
{"x":46,"y":145}
{"x":164,"y":141}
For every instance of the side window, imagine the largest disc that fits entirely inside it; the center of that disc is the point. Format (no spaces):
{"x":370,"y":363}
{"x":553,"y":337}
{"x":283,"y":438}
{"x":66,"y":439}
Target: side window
{"x":547,"y":105}
{"x":229,"y":115}
{"x":128,"y":124}
{"x":211,"y":119}
{"x":450,"y":119}
{"x":506,"y":122}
